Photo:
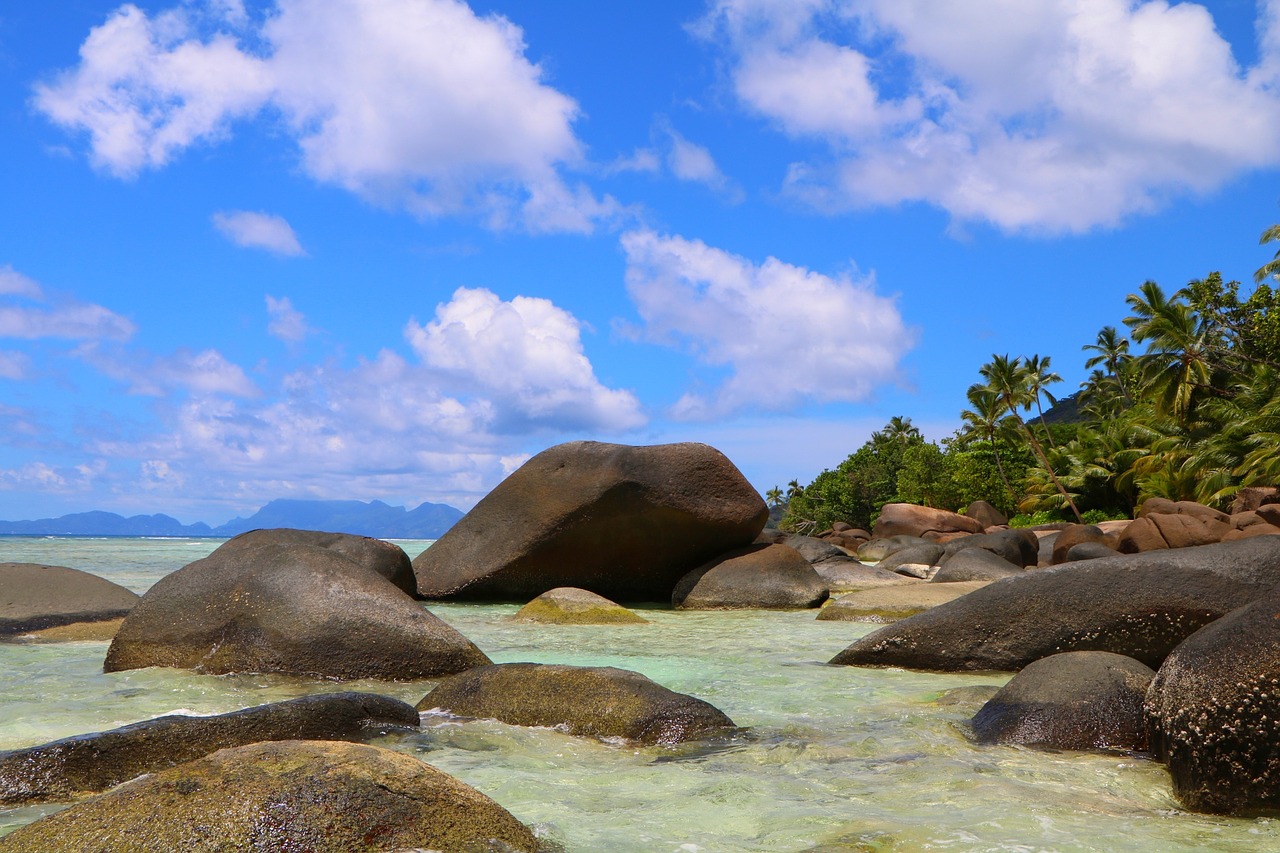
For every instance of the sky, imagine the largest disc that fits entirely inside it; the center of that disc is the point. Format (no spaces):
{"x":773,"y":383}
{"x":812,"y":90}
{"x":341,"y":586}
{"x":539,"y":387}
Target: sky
{"x":389,"y":249}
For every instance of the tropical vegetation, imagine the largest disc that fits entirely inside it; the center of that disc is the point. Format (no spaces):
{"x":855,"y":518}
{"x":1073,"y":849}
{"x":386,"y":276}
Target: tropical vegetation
{"x":1185,"y":406}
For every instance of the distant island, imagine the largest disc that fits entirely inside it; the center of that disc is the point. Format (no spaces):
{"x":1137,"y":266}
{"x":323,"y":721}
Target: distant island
{"x":375,"y":518}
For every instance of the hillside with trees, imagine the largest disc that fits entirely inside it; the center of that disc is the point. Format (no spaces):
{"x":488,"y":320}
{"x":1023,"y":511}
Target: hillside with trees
{"x":1183,"y":402}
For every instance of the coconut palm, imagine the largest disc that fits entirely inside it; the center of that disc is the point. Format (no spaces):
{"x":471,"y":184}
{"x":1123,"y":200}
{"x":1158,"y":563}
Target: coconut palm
{"x":1271,"y":269}
{"x":1038,"y":375}
{"x":1177,"y":365}
{"x":1008,"y":379}
{"x":774,"y":496}
{"x":1112,"y":353}
{"x":985,"y":418}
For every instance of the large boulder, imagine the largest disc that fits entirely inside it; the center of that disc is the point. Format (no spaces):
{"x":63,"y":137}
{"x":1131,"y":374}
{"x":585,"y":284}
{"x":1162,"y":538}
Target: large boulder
{"x":623,"y":522}
{"x":66,"y":768}
{"x":975,"y":564}
{"x":987,"y":514}
{"x":34,"y":597}
{"x":912,"y":520}
{"x":813,"y":549}
{"x":773,"y":577}
{"x":566,"y":605}
{"x":383,"y":558}
{"x":1020,"y":547}
{"x":845,"y":574}
{"x":1139,"y":605}
{"x":926,"y":554}
{"x":284,"y":795}
{"x":1077,"y":534}
{"x":1213,"y":711}
{"x":291,"y":609}
{"x":876,"y":550}
{"x":1074,"y":700}
{"x":1164,"y":523}
{"x":600,"y":702}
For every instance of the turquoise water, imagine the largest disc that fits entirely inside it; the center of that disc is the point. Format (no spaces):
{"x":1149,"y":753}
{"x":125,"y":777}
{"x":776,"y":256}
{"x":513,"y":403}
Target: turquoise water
{"x":833,"y":758}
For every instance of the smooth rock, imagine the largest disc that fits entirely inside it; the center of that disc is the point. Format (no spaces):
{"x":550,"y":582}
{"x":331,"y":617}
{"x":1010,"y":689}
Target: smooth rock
{"x":845,"y":574}
{"x":66,"y":768}
{"x":975,"y":564}
{"x":34,"y":597}
{"x":601,"y":702}
{"x":383,"y":558}
{"x":1074,"y":700}
{"x":987,"y":514}
{"x":622,"y":522}
{"x":1020,"y":547}
{"x":568,"y":605}
{"x":912,"y":520}
{"x":291,"y":609}
{"x":1090,"y":551}
{"x":773,"y":577}
{"x":1075,"y":535}
{"x":926,"y":554}
{"x":283,"y":795}
{"x":1139,"y":605}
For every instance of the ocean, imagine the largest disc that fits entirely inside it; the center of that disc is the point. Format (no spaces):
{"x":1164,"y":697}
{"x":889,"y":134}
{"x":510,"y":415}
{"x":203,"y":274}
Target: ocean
{"x":830,"y":759}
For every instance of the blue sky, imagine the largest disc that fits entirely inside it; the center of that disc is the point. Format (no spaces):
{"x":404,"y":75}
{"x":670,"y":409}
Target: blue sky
{"x":388,"y":249}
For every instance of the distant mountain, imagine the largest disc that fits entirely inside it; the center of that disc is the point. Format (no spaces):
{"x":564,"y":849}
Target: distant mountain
{"x":428,"y":521}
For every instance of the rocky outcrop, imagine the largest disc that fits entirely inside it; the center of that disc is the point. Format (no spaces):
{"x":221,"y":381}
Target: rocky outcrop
{"x":771,"y":577}
{"x":1074,"y":700}
{"x":290,"y":609}
{"x":286,"y":795}
{"x":567,"y":605}
{"x":382,"y":558}
{"x":34,"y":597}
{"x":889,"y":604}
{"x":623,"y":522}
{"x":600,"y":702}
{"x":66,"y":768}
{"x":1213,"y":710}
{"x":1139,"y":605}
{"x":912,"y":520}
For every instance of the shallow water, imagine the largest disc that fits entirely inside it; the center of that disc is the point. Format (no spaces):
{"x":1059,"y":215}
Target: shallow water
{"x":832,"y":758}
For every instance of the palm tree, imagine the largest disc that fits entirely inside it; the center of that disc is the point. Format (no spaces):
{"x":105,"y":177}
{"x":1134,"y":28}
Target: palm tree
{"x":1008,"y":379}
{"x":1038,"y":375}
{"x":985,"y":419}
{"x":1271,"y":269}
{"x":794,"y":488}
{"x":1113,"y":353}
{"x":774,"y":496}
{"x":1177,"y":363}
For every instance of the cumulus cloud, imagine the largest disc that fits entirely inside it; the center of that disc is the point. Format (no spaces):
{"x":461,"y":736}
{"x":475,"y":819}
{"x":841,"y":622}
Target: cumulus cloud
{"x":286,"y":322}
{"x":14,"y":283}
{"x":1054,"y":116}
{"x":420,"y":104}
{"x":786,"y":334}
{"x":257,"y":230}
{"x":527,"y":356}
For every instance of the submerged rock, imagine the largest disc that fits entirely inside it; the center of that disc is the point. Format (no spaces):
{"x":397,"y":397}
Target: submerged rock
{"x":287,"y":608}
{"x":568,"y":605}
{"x":771,"y":577}
{"x":1139,"y":605}
{"x":65,"y":768}
{"x":600,"y":702}
{"x":1075,"y":700}
{"x":34,"y":597}
{"x":622,"y":522}
{"x":891,"y":603}
{"x":285,"y":795}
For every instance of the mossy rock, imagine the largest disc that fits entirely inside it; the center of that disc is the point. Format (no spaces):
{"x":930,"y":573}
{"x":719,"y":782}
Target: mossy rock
{"x":567,"y":605}
{"x":601,"y":702}
{"x":284,"y":795}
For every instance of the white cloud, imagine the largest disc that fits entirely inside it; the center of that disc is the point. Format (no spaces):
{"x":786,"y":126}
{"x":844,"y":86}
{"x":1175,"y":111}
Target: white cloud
{"x":286,"y":323}
{"x":785,"y":333}
{"x":13,"y":365}
{"x":258,"y":231}
{"x":14,"y":283}
{"x":527,"y":356}
{"x":1054,"y":116}
{"x":692,"y":162}
{"x":65,"y":318}
{"x":201,"y":373}
{"x":420,"y":104}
